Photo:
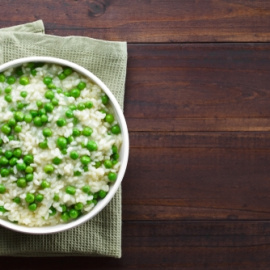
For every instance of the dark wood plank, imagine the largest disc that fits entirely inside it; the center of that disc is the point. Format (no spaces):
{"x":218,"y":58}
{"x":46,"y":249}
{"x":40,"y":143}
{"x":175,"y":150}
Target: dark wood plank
{"x":147,"y":21}
{"x":175,"y":245}
{"x":234,"y":140}
{"x":198,"y":87}
{"x":200,"y":182}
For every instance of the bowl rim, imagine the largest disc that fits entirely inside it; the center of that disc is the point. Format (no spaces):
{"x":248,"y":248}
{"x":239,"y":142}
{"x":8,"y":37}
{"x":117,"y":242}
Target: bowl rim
{"x":124,"y":153}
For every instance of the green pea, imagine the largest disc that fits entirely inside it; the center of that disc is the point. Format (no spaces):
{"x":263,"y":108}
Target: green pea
{"x":37,"y":121}
{"x":3,"y":161}
{"x":55,"y":101}
{"x":49,"y":107}
{"x":109,"y":118}
{"x":17,"y":200}
{"x":85,"y":160}
{"x":44,"y":118}
{"x":11,"y":80}
{"x":112,"y":176}
{"x":51,"y":86}
{"x":4,"y":172}
{"x":23,"y":94}
{"x":47,"y":132}
{"x":72,"y":107}
{"x":56,"y":198}
{"x":11,"y":171}
{"x":75,"y":121}
{"x":6,"y":129}
{"x":91,"y":145}
{"x":39,"y":104}
{"x":52,"y":211}
{"x":17,"y":153}
{"x":29,"y":177}
{"x":114,"y":149}
{"x":21,"y":105}
{"x":28,"y":118}
{"x":48,"y":169}
{"x":19,"y":116}
{"x":102,"y":194}
{"x":89,"y":104}
{"x":49,"y":94}
{"x":47,"y":80}
{"x":11,"y":138}
{"x":78,"y":206}
{"x":8,"y":98}
{"x":71,"y":190}
{"x":12,"y":122}
{"x":75,"y":93}
{"x":57,"y":161}
{"x":85,"y":168}
{"x":3,"y":210}
{"x":116,"y":129}
{"x":2,"y":189}
{"x":21,"y":166}
{"x":32,"y":207}
{"x":1,"y":142}
{"x":8,"y":89}
{"x":43,"y":145}
{"x":2,"y":78}
{"x":76,"y":132}
{"x":67,"y":94}
{"x":65,"y":216}
{"x":86,"y":189}
{"x":39,"y":198}
{"x":13,"y":161}
{"x":30,"y":198}
{"x":8,"y":154}
{"x":87,"y":131}
{"x":21,"y":182}
{"x":74,"y":155}
{"x":45,"y":184}
{"x":107,"y":164}
{"x":33,"y":72}
{"x":24,"y":80}
{"x":61,"y":76}
{"x":28,"y":159}
{"x":19,"y":71}
{"x":67,"y":71}
{"x":61,"y":122}
{"x":61,"y":142}
{"x":29,"y":169}
{"x":81,"y":106}
{"x":64,"y":151}
{"x":18,"y":129}
{"x":77,"y":173}
{"x":104,"y":99}
{"x":69,"y":114}
{"x":34,"y":113}
{"x":73,"y":213}
{"x":81,"y":85}
{"x":92,"y":201}
{"x":70,"y":139}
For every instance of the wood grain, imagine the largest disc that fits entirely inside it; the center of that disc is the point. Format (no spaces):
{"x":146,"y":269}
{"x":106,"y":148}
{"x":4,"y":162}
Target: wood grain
{"x":199,"y":87}
{"x":147,"y":20}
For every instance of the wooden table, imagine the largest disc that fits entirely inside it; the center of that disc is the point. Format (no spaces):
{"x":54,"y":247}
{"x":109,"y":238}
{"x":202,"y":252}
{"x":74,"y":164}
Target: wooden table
{"x":197,"y":189}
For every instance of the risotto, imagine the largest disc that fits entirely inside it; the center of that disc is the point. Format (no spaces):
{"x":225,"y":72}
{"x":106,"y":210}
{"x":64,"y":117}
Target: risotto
{"x":59,"y":144}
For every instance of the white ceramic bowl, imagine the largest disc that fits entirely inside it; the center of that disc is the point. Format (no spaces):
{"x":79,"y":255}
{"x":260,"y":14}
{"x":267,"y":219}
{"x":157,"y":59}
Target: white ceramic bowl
{"x":124,"y":151}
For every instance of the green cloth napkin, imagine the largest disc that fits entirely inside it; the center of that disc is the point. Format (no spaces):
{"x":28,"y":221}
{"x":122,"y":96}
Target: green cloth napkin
{"x":101,"y":236}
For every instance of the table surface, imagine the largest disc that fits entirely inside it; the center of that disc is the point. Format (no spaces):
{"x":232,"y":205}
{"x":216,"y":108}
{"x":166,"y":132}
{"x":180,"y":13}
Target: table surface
{"x":196,"y":193}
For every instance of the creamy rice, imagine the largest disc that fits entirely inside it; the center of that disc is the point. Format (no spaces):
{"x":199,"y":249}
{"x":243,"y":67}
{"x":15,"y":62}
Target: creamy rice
{"x":59,"y":204}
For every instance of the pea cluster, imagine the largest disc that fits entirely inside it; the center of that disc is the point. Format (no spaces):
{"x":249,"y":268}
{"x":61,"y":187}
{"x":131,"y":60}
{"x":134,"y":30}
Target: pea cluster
{"x":14,"y":158}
